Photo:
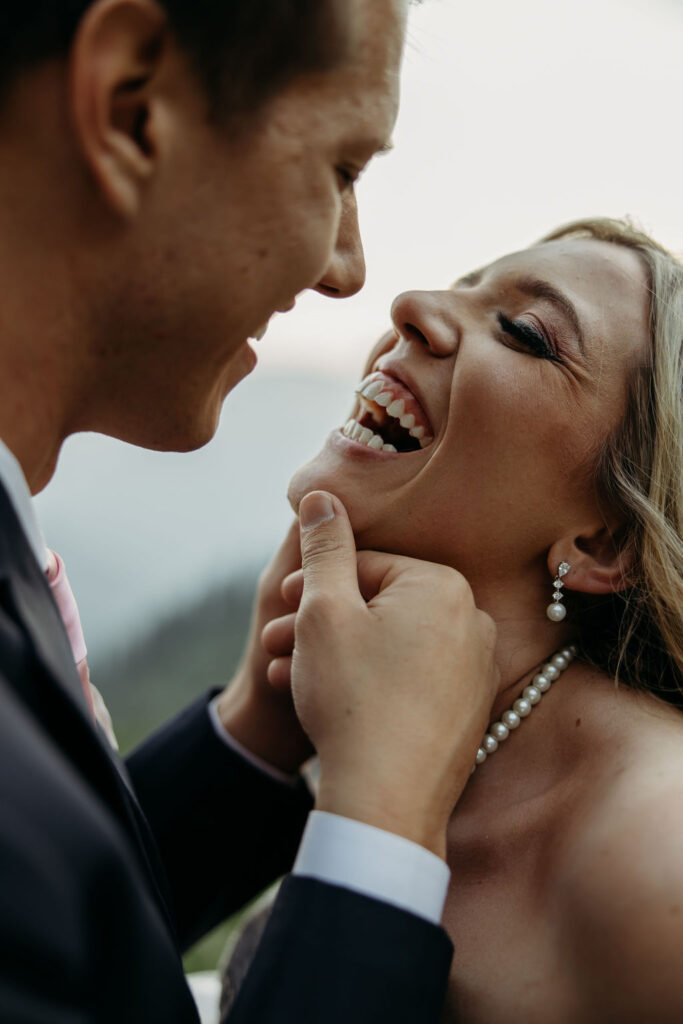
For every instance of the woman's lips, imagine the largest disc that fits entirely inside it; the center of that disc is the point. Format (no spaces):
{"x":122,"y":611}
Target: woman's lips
{"x":389,"y":417}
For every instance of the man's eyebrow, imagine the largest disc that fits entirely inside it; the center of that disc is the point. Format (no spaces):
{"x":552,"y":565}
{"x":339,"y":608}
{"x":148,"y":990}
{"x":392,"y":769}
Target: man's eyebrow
{"x":538,"y":289}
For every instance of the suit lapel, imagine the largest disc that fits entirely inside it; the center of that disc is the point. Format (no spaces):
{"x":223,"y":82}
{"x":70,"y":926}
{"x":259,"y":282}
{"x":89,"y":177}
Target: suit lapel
{"x":56,"y":697}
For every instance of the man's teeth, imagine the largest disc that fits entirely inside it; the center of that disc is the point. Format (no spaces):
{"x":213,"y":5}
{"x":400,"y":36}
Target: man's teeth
{"x":258,"y":334}
{"x":353,"y":430}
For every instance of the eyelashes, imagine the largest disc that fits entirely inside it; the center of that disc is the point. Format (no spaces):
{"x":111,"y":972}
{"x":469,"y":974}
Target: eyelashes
{"x":529,"y":336}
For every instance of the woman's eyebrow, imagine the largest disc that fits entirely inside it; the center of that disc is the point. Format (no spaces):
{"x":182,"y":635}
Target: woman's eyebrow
{"x":470,"y":280}
{"x":537,"y":289}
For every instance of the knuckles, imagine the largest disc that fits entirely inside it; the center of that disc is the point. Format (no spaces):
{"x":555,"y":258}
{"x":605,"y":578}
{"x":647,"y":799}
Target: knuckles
{"x":321,"y":607}
{"x":488,"y":628}
{"x":319,"y":544}
{"x":447,"y":584}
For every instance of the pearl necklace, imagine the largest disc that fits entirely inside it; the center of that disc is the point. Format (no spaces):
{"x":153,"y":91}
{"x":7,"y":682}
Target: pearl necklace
{"x":524,"y":705}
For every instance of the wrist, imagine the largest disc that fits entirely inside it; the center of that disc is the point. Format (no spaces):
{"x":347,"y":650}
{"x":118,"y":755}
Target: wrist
{"x":267,"y":729}
{"x":386,"y":809}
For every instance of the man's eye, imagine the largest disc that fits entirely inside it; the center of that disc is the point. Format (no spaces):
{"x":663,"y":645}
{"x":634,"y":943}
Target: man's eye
{"x":531,"y":337}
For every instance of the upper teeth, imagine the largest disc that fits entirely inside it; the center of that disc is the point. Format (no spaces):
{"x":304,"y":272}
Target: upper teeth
{"x":366,"y":436}
{"x":379,"y":391}
{"x":373,"y":389}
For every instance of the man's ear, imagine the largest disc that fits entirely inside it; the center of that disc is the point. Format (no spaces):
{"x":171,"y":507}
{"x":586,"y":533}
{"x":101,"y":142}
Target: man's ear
{"x":599,"y":563}
{"x":114,"y":67}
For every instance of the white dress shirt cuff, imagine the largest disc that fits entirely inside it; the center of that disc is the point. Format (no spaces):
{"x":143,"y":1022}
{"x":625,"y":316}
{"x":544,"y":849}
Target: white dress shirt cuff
{"x":373,"y":862}
{"x":257,"y":762}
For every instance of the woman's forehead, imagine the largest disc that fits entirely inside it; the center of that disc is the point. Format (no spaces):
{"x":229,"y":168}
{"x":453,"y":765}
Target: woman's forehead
{"x":606,"y":283}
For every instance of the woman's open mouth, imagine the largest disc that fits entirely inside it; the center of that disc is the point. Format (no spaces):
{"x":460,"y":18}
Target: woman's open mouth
{"x":388,"y":418}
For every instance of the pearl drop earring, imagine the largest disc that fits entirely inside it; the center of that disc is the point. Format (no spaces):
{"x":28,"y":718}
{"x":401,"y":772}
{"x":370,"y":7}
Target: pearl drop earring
{"x":557,"y":611}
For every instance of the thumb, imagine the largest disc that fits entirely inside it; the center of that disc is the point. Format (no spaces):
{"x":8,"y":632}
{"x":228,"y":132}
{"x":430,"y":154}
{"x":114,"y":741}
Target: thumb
{"x":328,"y":548}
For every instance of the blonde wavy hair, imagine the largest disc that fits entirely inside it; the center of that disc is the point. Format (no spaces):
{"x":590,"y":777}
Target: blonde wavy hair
{"x":637,"y":635}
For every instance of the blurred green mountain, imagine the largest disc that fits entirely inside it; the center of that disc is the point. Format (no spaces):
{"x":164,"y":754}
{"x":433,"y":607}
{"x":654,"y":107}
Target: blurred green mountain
{"x":182,"y":656}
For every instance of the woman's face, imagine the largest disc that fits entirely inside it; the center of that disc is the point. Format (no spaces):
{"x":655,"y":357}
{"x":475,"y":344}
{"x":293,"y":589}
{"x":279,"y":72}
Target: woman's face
{"x":513,"y":378}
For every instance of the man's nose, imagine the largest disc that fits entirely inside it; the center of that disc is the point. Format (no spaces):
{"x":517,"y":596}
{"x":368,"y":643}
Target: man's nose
{"x":345,"y":274}
{"x":428,"y":318}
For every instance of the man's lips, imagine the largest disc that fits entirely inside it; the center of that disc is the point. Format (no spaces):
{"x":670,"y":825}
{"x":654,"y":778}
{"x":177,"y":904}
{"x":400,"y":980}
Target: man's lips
{"x":260,"y":331}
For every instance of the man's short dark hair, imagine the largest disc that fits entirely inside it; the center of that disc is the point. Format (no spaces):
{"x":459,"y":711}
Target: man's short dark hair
{"x":243,"y":50}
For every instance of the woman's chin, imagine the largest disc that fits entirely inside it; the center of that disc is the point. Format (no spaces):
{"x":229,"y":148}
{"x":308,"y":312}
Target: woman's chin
{"x":372,"y":489}
{"x":310,"y":477}
{"x":295,"y":492}
{"x":323,"y":473}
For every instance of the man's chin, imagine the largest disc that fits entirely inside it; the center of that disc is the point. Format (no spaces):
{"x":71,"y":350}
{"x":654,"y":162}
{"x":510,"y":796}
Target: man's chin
{"x":240,"y":366}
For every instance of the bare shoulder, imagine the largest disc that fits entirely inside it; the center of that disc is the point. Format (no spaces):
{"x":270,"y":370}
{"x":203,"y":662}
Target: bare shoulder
{"x":621,"y":881}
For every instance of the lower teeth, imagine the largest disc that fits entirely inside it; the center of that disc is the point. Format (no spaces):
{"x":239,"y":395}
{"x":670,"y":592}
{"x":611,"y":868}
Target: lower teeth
{"x":363,"y":435}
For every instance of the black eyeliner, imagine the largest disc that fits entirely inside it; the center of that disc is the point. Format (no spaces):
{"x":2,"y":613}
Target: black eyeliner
{"x":528,"y":336}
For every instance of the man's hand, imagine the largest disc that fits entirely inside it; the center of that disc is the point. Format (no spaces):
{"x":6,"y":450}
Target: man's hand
{"x":392,"y":674}
{"x":258,"y":716}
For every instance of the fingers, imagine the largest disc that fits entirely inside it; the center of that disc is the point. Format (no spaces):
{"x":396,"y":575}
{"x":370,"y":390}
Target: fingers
{"x":280,"y":673}
{"x":289,"y":555}
{"x":292,"y":588}
{"x":328,"y":549}
{"x":278,"y":636}
{"x":287,"y":559}
{"x":376,"y":570}
{"x":278,"y":640}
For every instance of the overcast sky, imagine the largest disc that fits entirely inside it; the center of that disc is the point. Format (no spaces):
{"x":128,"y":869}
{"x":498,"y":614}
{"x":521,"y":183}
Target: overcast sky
{"x":514,"y":119}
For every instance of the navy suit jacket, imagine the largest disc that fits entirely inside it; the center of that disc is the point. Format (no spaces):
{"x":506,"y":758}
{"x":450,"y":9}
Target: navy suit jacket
{"x":108,"y":871}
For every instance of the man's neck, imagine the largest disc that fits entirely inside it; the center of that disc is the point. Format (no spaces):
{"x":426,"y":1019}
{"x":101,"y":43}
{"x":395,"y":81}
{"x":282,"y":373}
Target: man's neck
{"x":42,"y":304}
{"x":34,"y":371}
{"x":34,"y":375}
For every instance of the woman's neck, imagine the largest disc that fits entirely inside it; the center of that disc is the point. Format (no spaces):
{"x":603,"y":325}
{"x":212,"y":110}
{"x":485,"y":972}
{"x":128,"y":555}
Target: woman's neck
{"x":526,"y":638}
{"x":527,"y":762}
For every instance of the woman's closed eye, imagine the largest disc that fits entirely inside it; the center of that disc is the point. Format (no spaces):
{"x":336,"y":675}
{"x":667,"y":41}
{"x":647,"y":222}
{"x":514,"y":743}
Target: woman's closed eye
{"x":528,"y":335}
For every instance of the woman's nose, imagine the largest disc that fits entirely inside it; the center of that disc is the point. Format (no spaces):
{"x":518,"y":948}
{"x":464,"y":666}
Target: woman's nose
{"x":345,"y":274}
{"x":428,"y":318}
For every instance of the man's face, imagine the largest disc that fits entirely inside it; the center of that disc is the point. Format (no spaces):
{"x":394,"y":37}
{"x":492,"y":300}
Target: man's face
{"x":236,"y":228}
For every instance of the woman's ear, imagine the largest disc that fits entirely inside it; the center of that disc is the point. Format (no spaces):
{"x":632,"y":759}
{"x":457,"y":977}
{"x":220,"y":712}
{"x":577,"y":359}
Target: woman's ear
{"x":599,"y":563}
{"x":114,"y":68}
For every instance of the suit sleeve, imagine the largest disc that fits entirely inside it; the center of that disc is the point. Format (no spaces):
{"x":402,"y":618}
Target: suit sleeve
{"x":331,"y":955}
{"x":225,"y":830}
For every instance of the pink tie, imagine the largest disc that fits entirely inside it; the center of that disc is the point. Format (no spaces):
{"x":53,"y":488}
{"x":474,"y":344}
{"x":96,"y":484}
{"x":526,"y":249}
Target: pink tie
{"x":68,"y":609}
